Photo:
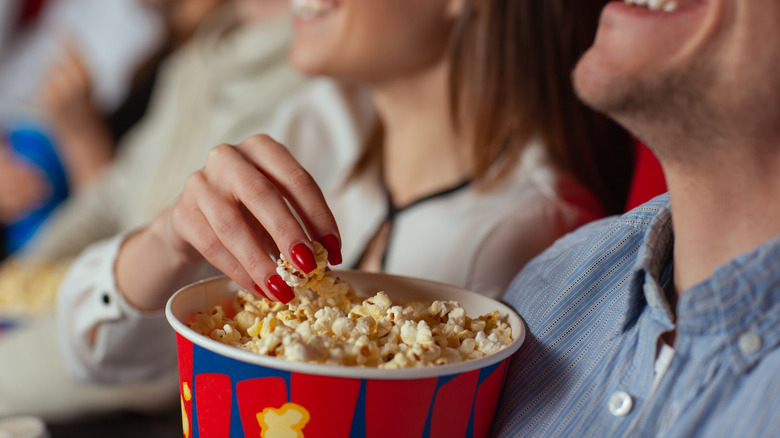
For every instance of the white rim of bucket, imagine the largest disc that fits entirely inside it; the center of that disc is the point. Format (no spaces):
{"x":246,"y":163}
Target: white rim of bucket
{"x":349,"y":372}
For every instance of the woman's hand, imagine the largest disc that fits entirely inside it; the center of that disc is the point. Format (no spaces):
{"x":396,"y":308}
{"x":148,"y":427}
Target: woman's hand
{"x":234,"y":213}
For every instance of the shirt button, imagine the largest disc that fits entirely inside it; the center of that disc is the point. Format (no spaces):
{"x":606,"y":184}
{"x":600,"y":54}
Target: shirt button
{"x":749,"y":343}
{"x":106,"y":298}
{"x":620,"y":404}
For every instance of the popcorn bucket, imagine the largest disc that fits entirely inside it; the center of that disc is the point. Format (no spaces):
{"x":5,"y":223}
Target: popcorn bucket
{"x":228,"y":392}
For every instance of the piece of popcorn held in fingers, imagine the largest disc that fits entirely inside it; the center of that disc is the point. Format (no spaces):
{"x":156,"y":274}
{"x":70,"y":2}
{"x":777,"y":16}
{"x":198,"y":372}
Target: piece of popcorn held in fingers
{"x":320,"y":280}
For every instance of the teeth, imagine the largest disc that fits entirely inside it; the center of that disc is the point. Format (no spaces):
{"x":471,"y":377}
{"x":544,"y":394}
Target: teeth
{"x":309,"y":9}
{"x":670,"y":6}
{"x":654,"y":5}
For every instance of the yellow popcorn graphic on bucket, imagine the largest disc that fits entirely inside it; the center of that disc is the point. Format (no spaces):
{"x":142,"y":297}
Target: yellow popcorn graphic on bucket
{"x":185,"y":396}
{"x":285,"y":422}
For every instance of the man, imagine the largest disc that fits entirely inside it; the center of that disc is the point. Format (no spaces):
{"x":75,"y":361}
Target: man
{"x":666,"y":321}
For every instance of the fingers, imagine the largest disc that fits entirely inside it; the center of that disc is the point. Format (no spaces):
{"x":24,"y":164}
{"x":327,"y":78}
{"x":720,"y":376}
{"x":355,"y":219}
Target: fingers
{"x":215,"y":228}
{"x":263,"y":199}
{"x":235,"y":214}
{"x":300,"y":189}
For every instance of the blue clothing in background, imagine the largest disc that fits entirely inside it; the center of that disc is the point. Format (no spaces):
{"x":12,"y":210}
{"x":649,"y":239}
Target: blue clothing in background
{"x":595,"y":307}
{"x":32,"y":143}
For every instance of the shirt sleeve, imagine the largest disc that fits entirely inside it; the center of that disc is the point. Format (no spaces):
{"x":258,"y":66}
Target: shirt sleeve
{"x":102,"y":337}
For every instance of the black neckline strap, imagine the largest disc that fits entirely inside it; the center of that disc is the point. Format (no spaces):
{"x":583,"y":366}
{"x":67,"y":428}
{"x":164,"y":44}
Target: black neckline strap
{"x":393,"y":211}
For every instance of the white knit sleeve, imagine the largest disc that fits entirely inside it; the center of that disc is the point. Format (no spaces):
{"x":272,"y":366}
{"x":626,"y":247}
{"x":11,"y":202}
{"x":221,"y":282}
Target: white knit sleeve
{"x":103,"y":338}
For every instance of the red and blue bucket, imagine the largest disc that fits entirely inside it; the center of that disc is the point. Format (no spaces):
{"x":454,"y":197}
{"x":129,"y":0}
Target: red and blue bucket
{"x":227,"y":392}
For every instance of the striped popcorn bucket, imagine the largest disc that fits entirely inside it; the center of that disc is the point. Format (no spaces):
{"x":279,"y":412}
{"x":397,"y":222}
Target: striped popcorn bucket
{"x":228,"y":392}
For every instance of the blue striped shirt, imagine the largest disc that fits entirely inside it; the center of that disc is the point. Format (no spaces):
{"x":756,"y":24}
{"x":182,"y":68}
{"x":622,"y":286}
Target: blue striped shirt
{"x":595,"y":308}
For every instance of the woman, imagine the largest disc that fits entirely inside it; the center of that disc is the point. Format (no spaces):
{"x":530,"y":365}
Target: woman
{"x":478,"y":157}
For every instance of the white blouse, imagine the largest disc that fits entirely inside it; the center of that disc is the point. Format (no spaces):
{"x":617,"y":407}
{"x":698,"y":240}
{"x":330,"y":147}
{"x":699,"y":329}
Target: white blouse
{"x":469,"y":238}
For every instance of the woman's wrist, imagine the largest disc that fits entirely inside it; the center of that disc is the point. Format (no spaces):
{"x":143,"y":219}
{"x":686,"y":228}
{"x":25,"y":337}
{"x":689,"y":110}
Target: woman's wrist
{"x":149,"y":269}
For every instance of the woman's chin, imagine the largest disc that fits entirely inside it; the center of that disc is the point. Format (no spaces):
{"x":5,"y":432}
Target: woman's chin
{"x":308,"y":63}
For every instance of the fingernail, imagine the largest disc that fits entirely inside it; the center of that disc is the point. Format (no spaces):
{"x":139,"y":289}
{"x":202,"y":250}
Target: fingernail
{"x":259,"y":290}
{"x":303,"y":257}
{"x":280,"y":290}
{"x":332,"y":245}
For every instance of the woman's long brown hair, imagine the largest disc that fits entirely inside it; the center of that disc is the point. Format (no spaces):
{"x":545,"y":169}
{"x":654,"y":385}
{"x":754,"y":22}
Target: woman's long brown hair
{"x":511,"y":74}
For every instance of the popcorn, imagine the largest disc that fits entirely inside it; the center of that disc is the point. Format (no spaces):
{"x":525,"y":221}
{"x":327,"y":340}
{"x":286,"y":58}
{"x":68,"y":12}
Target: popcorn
{"x":328,"y":323}
{"x":297,"y":278}
{"x":30,"y":287}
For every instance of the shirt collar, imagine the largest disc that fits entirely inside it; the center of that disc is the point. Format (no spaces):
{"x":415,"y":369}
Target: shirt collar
{"x":653,"y":257}
{"x":742,"y":295}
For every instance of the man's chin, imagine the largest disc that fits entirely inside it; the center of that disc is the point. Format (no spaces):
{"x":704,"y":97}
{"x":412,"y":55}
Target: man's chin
{"x":620,"y":100}
{"x":591,"y":87}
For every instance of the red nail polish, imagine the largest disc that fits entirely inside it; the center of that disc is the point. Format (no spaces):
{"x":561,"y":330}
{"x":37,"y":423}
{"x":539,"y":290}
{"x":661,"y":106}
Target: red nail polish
{"x":331,"y":244}
{"x":280,"y":290}
{"x":259,"y":290}
{"x":303,"y":257}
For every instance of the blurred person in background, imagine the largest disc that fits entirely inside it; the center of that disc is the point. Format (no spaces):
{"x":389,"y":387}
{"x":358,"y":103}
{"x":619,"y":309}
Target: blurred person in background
{"x":113,"y":36}
{"x":85,"y":137}
{"x":225,"y":80}
{"x":11,"y":18}
{"x":65,"y":49}
{"x":62,"y":140}
{"x":446,"y":143}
